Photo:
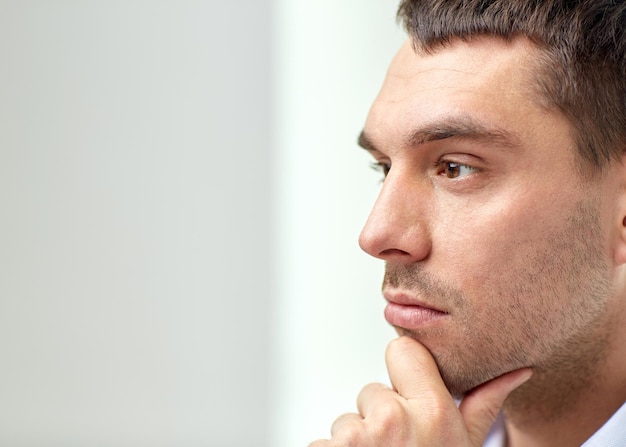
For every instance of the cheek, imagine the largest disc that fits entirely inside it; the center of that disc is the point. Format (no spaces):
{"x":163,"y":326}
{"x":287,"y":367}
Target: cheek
{"x":494,"y":249}
{"x":473,"y":246}
{"x":536,"y":273}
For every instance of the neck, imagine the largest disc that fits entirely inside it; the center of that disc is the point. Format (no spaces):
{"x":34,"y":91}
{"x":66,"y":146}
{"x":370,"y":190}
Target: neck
{"x":567,"y":404}
{"x":571,"y":428}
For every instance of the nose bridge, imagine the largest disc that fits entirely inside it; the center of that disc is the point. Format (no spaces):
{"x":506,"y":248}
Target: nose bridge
{"x":398,"y":223}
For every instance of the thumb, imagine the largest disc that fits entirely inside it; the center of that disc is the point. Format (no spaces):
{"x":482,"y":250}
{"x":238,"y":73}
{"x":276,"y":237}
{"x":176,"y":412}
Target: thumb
{"x":481,"y":406}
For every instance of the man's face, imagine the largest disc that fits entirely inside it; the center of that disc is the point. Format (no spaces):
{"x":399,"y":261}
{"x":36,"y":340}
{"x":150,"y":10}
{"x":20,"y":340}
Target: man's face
{"x":498,"y":253}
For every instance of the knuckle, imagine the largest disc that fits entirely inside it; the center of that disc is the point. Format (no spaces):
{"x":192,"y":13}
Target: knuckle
{"x":390,"y":420}
{"x":350,"y":435}
{"x":389,"y":410}
{"x":375,"y":386}
{"x":341,"y":422}
{"x":367,"y":390}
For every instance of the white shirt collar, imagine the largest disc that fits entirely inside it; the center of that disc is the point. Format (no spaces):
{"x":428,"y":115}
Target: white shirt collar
{"x":611,"y":434}
{"x":497,"y":434}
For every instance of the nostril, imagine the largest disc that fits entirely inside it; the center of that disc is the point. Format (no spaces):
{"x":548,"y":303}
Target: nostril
{"x":393,"y":252}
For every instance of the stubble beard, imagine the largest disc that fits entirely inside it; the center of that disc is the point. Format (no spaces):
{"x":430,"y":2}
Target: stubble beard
{"x":565,"y":343}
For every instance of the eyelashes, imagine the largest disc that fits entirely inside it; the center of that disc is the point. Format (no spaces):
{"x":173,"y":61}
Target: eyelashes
{"x":447,"y":168}
{"x":381,"y":168}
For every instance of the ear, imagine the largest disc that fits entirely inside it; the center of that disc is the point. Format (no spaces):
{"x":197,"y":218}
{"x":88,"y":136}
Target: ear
{"x":620,"y":216}
{"x":620,"y":249}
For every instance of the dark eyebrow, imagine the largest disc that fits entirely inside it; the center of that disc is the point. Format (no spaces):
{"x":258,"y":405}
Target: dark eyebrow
{"x":463,"y":128}
{"x":366,"y":143}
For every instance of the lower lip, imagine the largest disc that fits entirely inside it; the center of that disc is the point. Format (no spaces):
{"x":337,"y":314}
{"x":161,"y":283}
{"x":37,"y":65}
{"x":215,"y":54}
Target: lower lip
{"x":412,"y":317}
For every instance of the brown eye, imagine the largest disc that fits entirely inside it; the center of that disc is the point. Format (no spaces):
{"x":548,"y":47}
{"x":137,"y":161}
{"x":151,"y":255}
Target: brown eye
{"x":455,"y":170}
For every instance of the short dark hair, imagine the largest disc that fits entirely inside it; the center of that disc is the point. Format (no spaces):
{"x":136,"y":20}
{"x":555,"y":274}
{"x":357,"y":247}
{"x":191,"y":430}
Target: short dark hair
{"x":582,"y":73}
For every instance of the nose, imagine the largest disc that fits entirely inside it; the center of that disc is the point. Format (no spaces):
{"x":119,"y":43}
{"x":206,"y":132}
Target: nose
{"x":397,"y":227}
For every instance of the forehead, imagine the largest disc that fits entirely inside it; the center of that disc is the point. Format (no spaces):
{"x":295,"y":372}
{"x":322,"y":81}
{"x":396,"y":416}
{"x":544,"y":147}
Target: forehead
{"x":486,"y":80}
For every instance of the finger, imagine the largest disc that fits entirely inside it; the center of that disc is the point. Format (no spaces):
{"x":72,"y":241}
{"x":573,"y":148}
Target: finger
{"x":346,"y":422}
{"x":319,"y":443}
{"x":371,"y":396}
{"x":413,"y":371}
{"x":481,"y":407}
{"x":350,"y":430}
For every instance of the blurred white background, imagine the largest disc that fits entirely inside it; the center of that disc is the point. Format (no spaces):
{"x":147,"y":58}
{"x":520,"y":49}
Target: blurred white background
{"x":328,"y":328}
{"x":180,"y":200}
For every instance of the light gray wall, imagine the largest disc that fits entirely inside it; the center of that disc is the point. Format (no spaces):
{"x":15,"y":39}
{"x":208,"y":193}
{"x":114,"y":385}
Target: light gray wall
{"x":144,"y":164}
{"x":134,"y":219}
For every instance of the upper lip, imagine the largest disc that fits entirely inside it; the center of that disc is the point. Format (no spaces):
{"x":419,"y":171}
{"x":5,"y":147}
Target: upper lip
{"x":405,"y":299}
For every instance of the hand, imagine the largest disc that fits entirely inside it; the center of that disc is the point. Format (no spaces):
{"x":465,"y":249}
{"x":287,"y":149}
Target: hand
{"x":419,"y":411}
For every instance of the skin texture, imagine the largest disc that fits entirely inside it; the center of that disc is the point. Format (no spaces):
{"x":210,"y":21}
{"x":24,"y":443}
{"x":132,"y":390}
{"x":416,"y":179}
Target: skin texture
{"x":484,"y":216}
